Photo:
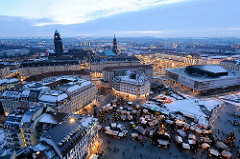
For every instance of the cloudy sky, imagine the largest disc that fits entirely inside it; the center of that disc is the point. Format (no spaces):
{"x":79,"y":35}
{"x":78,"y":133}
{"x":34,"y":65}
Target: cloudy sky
{"x":126,"y":18}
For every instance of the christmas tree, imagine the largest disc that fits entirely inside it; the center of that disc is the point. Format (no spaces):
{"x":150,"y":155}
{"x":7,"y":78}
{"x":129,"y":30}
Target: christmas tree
{"x":102,"y":116}
{"x":231,"y":138}
{"x":114,"y":115}
{"x":121,"y":101}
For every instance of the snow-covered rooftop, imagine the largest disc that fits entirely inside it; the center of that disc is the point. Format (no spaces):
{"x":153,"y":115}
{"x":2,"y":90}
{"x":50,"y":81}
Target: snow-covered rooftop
{"x":25,"y":93}
{"x":53,"y":98}
{"x":47,"y":118}
{"x":76,"y":87}
{"x":11,"y":94}
{"x":86,"y":121}
{"x":192,"y":106}
{"x":8,"y":81}
{"x":198,"y":77}
{"x":139,"y":80}
{"x":213,"y":68}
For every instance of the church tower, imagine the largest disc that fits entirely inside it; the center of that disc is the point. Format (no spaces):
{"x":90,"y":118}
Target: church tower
{"x":114,"y":48}
{"x":58,"y":44}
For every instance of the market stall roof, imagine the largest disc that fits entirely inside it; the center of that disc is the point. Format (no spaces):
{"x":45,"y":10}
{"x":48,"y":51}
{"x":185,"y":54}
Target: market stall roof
{"x":134,"y":111}
{"x":113,"y":125}
{"x":205,"y":139}
{"x":169,"y":122}
{"x":115,"y":133}
{"x":151,"y":124}
{"x":134,"y":134}
{"x":179,"y":123}
{"x":181,"y":133}
{"x":192,"y":127}
{"x":119,"y":126}
{"x":129,"y":117}
{"x":205,"y":145}
{"x":191,"y":136}
{"x":147,"y":116}
{"x":140,"y":129}
{"x":120,"y":134}
{"x":179,"y":139}
{"x":145,"y":110}
{"x":191,"y":142}
{"x":221,"y":145}
{"x":155,"y":122}
{"x":186,"y":125}
{"x":107,"y":128}
{"x":99,"y":127}
{"x":202,"y":126}
{"x":162,"y":142}
{"x":162,"y":116}
{"x":214,"y":152}
{"x":207,"y":131}
{"x":123,"y":111}
{"x":140,"y":137}
{"x":198,"y":130}
{"x":125,"y":131}
{"x":186,"y":146}
{"x":144,"y":122}
{"x":226,"y":154}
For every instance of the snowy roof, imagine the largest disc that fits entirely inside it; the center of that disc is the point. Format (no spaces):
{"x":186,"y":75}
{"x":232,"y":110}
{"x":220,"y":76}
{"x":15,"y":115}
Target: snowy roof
{"x":60,"y":133}
{"x":87,"y":121}
{"x":53,"y":97}
{"x":76,"y":87}
{"x":47,"y":118}
{"x":139,"y":80}
{"x":199,"y":77}
{"x":192,"y":106}
{"x":26,"y":93}
{"x":73,"y":88}
{"x":85,"y":83}
{"x":8,"y":81}
{"x":212,"y":68}
{"x":27,"y":118}
{"x":11,"y":94}
{"x":217,"y":57}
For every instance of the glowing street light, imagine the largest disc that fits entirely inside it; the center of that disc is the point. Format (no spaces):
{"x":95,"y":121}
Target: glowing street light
{"x":71,"y":120}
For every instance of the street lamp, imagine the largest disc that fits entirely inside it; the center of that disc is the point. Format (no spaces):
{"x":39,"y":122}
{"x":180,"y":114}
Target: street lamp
{"x":71,"y":120}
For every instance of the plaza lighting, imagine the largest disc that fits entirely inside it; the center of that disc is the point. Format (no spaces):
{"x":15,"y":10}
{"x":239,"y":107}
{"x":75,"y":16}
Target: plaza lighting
{"x":71,"y":120}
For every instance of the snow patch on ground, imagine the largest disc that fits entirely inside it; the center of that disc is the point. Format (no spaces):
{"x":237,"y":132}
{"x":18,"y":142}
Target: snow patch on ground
{"x":231,"y":98}
{"x":1,"y":138}
{"x":191,"y":106}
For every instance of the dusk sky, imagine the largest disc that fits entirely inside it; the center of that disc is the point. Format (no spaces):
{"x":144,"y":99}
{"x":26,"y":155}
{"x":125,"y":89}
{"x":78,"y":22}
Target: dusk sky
{"x":126,"y":18}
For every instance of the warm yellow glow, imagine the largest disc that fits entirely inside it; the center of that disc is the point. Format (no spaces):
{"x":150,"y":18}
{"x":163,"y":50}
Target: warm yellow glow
{"x":71,"y":120}
{"x":129,"y":96}
{"x":22,"y":137}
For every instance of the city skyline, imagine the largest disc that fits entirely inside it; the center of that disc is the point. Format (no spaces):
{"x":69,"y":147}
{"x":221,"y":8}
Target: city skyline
{"x":156,"y":18}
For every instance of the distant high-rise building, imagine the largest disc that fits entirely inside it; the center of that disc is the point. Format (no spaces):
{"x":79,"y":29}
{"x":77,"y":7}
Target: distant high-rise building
{"x":236,"y":46}
{"x":1,"y":45}
{"x":114,"y":48}
{"x":58,"y":44}
{"x":89,"y":43}
{"x":81,"y":43}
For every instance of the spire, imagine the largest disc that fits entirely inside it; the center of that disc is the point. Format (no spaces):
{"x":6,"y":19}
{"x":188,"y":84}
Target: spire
{"x":114,"y":48}
{"x":56,"y":31}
